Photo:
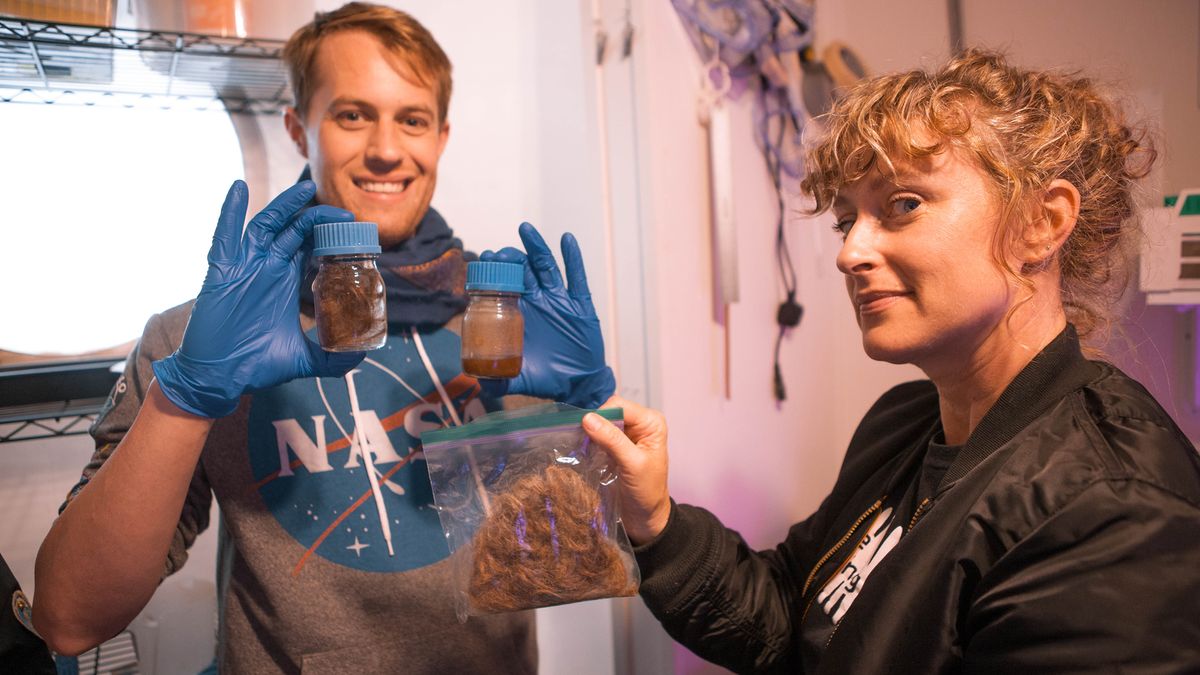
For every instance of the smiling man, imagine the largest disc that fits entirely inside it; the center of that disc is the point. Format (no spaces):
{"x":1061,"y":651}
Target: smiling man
{"x":370,"y":117}
{"x":333,"y":557}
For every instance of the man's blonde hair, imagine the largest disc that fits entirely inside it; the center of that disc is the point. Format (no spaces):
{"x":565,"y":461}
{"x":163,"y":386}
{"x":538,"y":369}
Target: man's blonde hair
{"x":398,"y":31}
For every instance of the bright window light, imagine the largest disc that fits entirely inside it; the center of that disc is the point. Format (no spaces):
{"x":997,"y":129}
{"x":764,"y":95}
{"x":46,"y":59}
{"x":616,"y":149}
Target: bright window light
{"x":108,"y":214}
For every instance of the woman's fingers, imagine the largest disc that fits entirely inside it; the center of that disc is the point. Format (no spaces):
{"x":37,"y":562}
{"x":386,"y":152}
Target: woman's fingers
{"x":645,"y":426}
{"x":614,"y":441}
{"x":640,"y":453}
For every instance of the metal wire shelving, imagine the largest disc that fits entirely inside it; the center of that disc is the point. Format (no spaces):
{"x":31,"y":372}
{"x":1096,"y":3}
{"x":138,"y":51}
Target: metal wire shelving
{"x":72,"y":64}
{"x":48,"y":399}
{"x":43,"y":62}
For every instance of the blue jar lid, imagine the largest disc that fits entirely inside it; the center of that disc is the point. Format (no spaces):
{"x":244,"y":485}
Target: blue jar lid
{"x":345,"y":238}
{"x":496,"y":276}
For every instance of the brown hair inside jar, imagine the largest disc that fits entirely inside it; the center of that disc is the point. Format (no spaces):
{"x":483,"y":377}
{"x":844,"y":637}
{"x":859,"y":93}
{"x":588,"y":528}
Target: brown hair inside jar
{"x":349,"y":306}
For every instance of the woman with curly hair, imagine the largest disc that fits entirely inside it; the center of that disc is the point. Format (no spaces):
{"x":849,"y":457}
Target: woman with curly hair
{"x":1024,"y":509}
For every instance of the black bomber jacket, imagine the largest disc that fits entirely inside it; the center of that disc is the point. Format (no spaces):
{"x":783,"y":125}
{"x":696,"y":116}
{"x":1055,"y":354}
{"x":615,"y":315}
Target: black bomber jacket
{"x":1065,"y":537}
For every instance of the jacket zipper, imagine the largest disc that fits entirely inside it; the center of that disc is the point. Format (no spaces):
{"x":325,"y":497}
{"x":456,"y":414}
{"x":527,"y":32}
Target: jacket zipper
{"x":830,"y":553}
{"x":832,"y":633}
{"x":916,"y":515}
{"x":920,"y":511}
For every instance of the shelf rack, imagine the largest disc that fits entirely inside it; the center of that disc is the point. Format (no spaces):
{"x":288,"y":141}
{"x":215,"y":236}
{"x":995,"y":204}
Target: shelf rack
{"x":44,"y":400}
{"x":74,"y":64}
{"x":42,"y":62}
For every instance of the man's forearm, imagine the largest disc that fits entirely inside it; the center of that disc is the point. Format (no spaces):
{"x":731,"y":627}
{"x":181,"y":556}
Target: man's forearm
{"x":104,"y":556}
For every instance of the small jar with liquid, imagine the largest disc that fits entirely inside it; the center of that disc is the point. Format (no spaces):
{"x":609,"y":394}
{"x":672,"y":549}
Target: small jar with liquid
{"x":493,"y":330}
{"x":348,"y":294}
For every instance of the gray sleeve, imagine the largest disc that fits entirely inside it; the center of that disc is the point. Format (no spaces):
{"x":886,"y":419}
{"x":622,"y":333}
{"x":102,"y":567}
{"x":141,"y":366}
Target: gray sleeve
{"x":161,"y":337}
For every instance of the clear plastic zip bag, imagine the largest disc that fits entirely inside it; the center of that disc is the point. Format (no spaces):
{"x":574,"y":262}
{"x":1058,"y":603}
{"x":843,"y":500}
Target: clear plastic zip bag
{"x":530,"y":511}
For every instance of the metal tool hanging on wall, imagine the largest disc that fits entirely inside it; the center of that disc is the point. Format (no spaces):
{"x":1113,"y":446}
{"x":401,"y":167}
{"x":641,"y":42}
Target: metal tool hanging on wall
{"x":713,"y":111}
{"x":767,"y":45}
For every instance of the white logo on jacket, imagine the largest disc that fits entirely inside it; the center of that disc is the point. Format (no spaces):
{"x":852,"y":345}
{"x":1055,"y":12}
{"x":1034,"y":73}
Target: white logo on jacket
{"x":839,"y":593}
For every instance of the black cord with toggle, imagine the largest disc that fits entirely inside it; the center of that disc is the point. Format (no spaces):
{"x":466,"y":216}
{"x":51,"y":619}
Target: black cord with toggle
{"x":789,"y":312}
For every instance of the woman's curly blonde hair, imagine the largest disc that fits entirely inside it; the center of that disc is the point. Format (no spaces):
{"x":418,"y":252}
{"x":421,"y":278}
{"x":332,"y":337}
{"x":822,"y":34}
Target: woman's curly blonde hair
{"x":1023,"y":128}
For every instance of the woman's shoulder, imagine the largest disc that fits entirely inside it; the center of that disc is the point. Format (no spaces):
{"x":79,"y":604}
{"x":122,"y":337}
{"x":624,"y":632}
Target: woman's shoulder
{"x":1113,"y":394}
{"x":1133,"y":437}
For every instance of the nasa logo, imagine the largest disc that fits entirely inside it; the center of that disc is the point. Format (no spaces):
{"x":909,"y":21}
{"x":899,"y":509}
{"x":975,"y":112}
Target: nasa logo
{"x":310,"y":460}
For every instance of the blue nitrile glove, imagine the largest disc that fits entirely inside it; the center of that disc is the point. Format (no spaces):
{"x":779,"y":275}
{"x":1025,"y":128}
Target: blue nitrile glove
{"x":244,"y":333}
{"x":564,"y":350}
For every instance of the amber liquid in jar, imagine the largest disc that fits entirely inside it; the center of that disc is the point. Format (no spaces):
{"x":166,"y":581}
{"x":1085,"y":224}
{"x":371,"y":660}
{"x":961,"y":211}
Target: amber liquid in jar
{"x":499,"y":368}
{"x":351,"y":310}
{"x":492,"y":334}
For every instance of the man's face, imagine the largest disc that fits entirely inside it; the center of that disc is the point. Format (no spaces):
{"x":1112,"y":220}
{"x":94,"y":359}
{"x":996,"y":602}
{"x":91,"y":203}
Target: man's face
{"x":371,"y":134}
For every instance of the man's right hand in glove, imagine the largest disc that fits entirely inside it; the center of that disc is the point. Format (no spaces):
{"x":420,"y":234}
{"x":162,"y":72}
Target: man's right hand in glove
{"x":244,"y":333}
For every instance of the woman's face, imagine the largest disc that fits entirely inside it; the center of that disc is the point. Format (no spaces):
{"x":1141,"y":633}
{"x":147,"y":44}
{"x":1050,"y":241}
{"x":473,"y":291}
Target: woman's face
{"x":917,"y":256}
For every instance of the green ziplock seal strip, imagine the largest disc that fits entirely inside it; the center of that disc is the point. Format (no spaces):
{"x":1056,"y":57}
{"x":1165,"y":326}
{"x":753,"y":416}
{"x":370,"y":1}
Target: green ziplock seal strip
{"x":507,"y":421}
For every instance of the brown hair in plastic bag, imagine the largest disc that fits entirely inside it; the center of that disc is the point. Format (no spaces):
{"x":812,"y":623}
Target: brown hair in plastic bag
{"x":543,"y":544}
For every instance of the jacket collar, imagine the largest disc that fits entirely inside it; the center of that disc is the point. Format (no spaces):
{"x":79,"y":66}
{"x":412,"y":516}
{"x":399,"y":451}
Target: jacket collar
{"x":1057,"y":370}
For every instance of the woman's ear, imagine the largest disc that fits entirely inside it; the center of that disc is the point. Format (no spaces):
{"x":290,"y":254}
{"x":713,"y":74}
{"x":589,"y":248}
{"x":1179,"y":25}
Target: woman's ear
{"x":1043,"y":236}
